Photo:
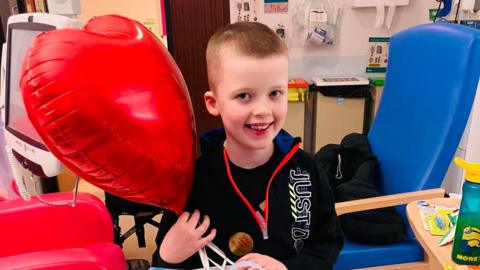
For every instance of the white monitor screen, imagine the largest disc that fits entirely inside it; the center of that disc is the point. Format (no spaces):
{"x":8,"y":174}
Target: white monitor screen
{"x":17,"y":121}
{"x":17,"y":116}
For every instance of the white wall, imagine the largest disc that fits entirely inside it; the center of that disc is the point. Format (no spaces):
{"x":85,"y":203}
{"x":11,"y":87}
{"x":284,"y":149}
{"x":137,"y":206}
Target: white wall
{"x":147,"y":12}
{"x":348,"y":56}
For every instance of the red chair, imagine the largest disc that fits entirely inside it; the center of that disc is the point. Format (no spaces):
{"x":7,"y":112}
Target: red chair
{"x":40,"y":236}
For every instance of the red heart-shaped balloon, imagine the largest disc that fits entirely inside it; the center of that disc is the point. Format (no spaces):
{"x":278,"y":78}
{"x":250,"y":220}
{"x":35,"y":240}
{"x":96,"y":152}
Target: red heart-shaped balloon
{"x":111,"y":104}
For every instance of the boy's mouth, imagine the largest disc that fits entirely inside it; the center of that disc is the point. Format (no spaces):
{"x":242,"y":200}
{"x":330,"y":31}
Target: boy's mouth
{"x":259,"y":127}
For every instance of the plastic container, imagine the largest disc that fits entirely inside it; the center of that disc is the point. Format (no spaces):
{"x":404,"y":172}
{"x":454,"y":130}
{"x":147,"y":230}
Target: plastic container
{"x":297,"y":93}
{"x":376,"y":88}
{"x":466,"y":245}
{"x":297,"y":90}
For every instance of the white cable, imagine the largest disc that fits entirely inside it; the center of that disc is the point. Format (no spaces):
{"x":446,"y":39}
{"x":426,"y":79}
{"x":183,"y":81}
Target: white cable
{"x":339,"y":175}
{"x":22,"y":189}
{"x":72,"y":204}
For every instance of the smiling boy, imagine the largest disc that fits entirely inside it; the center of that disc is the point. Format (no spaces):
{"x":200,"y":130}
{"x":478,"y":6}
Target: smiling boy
{"x":265,"y":198}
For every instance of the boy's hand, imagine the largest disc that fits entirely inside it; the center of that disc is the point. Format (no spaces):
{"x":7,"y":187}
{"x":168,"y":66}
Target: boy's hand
{"x":266,"y":262}
{"x":185,"y":238}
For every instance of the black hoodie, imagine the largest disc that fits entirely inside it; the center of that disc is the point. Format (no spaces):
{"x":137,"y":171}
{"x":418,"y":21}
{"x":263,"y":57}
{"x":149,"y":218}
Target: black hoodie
{"x":301,"y":224}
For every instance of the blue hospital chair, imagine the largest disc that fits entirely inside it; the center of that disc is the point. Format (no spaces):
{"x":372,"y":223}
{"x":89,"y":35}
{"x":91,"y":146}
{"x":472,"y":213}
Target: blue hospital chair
{"x":430,"y":85}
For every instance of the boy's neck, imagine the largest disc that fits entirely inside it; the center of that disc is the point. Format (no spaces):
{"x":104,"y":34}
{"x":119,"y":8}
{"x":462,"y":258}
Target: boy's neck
{"x":248,"y":158}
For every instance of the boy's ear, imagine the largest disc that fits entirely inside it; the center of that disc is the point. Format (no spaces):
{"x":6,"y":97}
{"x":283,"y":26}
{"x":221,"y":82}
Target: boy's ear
{"x":211,"y":103}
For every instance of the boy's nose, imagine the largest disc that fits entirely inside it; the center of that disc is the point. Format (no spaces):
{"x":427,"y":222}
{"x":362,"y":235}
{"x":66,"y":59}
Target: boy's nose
{"x":262,"y":109}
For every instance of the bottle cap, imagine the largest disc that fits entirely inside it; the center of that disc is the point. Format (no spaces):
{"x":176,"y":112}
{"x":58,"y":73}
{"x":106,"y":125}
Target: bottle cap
{"x":472,"y":170}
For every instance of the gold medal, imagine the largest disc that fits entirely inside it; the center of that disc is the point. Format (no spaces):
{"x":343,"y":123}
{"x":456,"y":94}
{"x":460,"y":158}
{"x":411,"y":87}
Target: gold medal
{"x":240,"y":244}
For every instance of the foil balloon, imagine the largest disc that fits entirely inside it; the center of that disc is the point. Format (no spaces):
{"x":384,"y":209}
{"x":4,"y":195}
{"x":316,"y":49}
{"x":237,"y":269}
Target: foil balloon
{"x":112,"y":105}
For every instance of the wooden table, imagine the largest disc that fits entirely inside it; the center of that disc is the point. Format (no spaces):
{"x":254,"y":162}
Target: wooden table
{"x":438,"y":258}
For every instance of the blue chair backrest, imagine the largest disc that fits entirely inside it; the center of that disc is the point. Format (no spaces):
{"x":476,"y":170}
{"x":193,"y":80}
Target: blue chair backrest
{"x":430,"y":85}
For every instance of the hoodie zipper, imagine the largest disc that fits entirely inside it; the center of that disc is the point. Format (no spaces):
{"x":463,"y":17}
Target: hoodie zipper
{"x":261,"y":221}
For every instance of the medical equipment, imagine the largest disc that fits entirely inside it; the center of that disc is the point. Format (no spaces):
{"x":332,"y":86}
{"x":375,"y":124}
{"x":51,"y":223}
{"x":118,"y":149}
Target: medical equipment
{"x":380,"y":5}
{"x":23,"y":142}
{"x":447,"y":6}
{"x":315,"y":22}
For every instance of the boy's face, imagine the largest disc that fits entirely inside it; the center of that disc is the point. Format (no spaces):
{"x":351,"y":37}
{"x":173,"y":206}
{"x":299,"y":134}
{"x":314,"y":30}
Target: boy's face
{"x":251,"y":98}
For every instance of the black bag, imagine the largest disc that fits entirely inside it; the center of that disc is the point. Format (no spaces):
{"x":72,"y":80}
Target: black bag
{"x":353,"y":172}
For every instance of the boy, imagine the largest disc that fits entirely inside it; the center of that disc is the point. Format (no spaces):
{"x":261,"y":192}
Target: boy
{"x":267,"y":200}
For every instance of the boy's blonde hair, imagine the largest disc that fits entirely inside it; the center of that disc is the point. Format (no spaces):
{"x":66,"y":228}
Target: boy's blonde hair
{"x":242,"y":38}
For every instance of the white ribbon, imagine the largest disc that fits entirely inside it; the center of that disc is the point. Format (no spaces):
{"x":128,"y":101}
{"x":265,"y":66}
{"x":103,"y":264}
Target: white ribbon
{"x":227,"y":264}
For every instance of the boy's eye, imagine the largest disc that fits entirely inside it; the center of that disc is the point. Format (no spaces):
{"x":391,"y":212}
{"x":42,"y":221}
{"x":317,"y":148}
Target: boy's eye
{"x":276,"y":93}
{"x":243,"y":96}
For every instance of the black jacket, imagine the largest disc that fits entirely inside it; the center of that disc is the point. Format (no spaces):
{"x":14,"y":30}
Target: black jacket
{"x":353,"y":172}
{"x":312,"y":240}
